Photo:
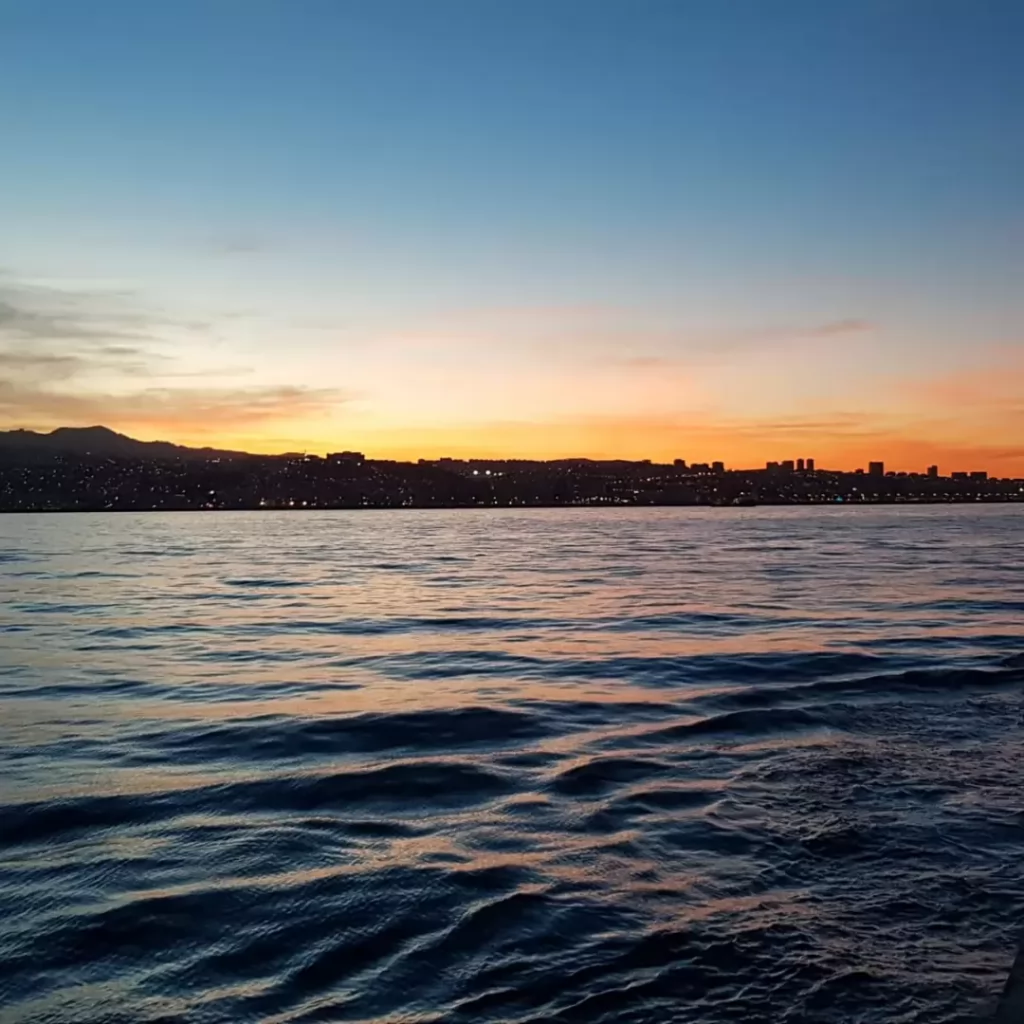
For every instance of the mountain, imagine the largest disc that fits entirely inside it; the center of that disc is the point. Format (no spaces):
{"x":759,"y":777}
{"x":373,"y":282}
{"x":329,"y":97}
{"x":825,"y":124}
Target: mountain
{"x":97,"y":442}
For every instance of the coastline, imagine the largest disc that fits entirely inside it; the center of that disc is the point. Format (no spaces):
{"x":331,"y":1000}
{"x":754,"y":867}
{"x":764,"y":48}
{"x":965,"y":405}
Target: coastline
{"x":92,"y":509}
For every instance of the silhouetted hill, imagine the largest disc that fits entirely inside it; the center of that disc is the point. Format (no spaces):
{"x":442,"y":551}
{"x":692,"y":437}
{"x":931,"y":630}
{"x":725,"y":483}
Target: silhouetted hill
{"x":97,"y":442}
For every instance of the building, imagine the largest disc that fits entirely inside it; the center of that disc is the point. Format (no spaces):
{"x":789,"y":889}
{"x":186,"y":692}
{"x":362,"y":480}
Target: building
{"x":787,"y":465}
{"x":717,"y":467}
{"x":356,"y":457}
{"x":810,"y":465}
{"x":772,"y":467}
{"x":979,"y":474}
{"x":876,"y":469}
{"x":680,"y":463}
{"x":933,"y":472}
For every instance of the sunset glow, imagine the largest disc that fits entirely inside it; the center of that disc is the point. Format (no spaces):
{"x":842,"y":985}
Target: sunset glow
{"x":738,"y":232}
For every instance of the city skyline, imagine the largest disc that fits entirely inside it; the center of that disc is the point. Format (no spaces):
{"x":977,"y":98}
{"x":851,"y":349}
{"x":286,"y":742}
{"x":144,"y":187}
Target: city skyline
{"x":98,"y":470}
{"x":16,"y":442}
{"x":580,"y":229}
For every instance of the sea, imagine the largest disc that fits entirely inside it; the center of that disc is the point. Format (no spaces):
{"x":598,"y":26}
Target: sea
{"x":511,"y":766}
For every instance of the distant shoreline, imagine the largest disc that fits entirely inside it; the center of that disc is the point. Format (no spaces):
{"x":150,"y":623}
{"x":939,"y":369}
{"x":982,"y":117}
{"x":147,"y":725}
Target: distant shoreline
{"x":597,"y":506}
{"x":347,"y":480}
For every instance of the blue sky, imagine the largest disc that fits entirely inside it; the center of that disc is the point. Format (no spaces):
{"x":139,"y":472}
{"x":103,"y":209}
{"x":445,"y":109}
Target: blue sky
{"x":518,"y":227}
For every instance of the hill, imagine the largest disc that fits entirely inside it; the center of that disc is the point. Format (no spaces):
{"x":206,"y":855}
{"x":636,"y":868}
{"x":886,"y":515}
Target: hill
{"x":96,"y":442}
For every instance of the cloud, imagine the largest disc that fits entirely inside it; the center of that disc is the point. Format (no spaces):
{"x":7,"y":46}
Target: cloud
{"x":650,"y":363}
{"x":41,"y":363}
{"x":228,"y":406}
{"x":48,"y":365}
{"x":18,"y":319}
{"x":196,"y":410}
{"x":983,"y":402}
{"x":583,"y":338}
{"x":33,"y":311}
{"x":50,"y":334}
{"x":840,"y":441}
{"x":770,"y":336}
{"x":678,"y":348}
{"x":72,"y":357}
{"x":837,"y":327}
{"x":241,"y":244}
{"x":980,"y":387}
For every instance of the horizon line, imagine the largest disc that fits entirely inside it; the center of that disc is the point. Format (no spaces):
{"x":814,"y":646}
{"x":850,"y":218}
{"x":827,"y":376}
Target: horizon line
{"x":326,"y":452}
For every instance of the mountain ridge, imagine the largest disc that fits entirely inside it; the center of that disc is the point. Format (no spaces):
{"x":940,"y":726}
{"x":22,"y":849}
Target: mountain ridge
{"x":100,"y":442}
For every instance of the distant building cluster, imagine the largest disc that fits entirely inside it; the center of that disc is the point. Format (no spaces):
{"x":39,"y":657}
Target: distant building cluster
{"x":347,"y":479}
{"x":791,"y":466}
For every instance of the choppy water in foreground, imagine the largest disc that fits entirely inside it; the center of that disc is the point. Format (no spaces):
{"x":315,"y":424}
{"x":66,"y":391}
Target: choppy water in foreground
{"x":639,"y":765}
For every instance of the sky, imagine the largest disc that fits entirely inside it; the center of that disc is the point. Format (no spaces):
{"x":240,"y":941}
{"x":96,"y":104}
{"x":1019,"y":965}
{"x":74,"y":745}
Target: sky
{"x":706,"y":229}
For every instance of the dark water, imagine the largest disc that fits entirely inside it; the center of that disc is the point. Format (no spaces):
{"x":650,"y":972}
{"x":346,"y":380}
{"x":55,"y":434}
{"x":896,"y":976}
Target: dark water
{"x":639,"y":765}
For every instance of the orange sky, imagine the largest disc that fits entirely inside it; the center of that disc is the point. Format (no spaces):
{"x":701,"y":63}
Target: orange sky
{"x":532,"y":383}
{"x":701,"y":411}
{"x":959,"y":422}
{"x":521,"y":229}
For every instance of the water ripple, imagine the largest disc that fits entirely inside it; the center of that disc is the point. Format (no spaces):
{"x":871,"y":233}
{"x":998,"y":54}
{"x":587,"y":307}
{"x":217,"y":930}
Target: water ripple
{"x":548,"y":766}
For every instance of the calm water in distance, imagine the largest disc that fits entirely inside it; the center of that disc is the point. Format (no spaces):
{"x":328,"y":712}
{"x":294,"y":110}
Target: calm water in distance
{"x":638,"y":765}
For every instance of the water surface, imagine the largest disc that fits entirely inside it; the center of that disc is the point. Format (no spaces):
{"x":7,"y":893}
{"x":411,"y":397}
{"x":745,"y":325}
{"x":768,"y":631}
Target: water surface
{"x":642,"y":765}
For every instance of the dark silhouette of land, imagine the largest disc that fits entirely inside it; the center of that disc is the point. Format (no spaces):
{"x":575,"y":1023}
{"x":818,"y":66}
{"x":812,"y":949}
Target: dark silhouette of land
{"x":96,"y":469}
{"x":101,"y":442}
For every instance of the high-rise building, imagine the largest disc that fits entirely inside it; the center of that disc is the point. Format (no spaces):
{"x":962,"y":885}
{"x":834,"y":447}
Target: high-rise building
{"x":876,"y":468}
{"x":680,"y":463}
{"x":788,"y":465}
{"x":810,"y":465}
{"x":717,"y":467}
{"x":800,"y":465}
{"x":933,"y":472}
{"x":772,"y":467}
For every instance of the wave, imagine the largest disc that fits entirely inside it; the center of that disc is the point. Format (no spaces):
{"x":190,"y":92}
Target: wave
{"x":415,"y":784}
{"x":289,"y":738}
{"x":556,"y":767}
{"x":884,"y":687}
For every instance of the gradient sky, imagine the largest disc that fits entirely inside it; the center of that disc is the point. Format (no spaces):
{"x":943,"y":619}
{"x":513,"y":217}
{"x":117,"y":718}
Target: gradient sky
{"x":736,"y":229}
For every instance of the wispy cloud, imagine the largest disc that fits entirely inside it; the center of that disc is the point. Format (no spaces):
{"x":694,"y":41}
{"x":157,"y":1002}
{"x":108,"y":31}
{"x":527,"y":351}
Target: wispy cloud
{"x":650,"y":363}
{"x":580,"y":336}
{"x":999,"y":386}
{"x":840,"y":441}
{"x":34,"y":313}
{"x":837,"y":327}
{"x":39,"y":362}
{"x":241,"y":244}
{"x":49,"y":335}
{"x":678,"y":348}
{"x":71,"y":357}
{"x":194,"y":410}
